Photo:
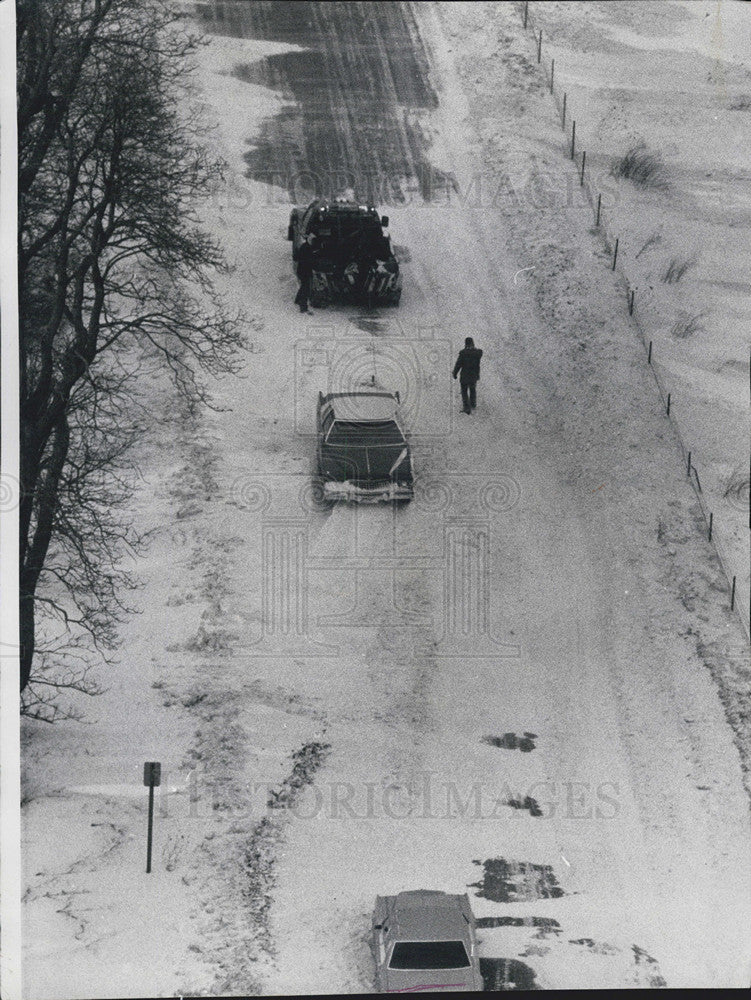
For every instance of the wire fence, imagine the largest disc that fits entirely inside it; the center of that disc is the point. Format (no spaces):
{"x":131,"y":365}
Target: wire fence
{"x":738,"y":597}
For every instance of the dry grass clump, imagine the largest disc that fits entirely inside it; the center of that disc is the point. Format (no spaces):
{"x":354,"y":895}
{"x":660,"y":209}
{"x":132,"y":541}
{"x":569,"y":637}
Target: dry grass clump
{"x":642,"y":167}
{"x":687,"y":325}
{"x":677,"y":267}
{"x":653,"y":240}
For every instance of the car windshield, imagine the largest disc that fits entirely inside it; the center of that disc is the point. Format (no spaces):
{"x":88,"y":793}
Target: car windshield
{"x":350,"y":432}
{"x":429,"y":955}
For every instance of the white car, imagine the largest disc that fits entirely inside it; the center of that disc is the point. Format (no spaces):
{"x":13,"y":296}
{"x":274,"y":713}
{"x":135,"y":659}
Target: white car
{"x":425,"y":940}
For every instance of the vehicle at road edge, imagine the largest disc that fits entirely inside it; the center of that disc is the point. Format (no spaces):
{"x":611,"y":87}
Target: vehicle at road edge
{"x":362,"y":452}
{"x":425,"y":940}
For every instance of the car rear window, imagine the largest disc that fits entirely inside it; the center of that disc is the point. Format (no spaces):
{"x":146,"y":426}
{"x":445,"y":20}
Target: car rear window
{"x":346,"y":432}
{"x":342,"y":227}
{"x":429,"y":955}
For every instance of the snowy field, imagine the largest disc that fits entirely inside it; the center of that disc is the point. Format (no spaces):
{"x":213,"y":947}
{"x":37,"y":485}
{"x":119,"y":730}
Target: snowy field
{"x":683,"y":226}
{"x":574,"y":757}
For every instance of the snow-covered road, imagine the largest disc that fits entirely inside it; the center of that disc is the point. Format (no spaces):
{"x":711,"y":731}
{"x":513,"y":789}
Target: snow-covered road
{"x":529,"y":505}
{"x":508,"y":671}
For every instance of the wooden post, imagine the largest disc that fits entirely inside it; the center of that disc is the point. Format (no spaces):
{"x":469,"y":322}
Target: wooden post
{"x":584,"y":160}
{"x":573,"y":138}
{"x":150,"y":830}
{"x":599,"y":203}
{"x":539,"y":46}
{"x":563,"y":122}
{"x":668,"y":406}
{"x":152,"y":776}
{"x":732,"y":595}
{"x":552,"y":74}
{"x":526,"y":13}
{"x":631,"y":303}
{"x":649,"y":356}
{"x":615,"y":253}
{"x":711,"y":519}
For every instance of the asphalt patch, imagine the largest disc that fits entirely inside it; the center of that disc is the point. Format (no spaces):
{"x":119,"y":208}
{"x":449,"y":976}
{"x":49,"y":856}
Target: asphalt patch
{"x":547,"y":922}
{"x":373,"y":326}
{"x":642,"y":959}
{"x":356,"y":90}
{"x":507,"y":974}
{"x":510,"y":741}
{"x":513,"y":881}
{"x":598,"y":947}
{"x":526,"y":803}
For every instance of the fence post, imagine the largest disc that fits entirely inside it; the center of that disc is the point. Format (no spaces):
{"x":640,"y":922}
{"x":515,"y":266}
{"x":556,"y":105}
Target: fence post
{"x":563,"y":123}
{"x":573,"y":138}
{"x":584,"y":160}
{"x":615,"y":252}
{"x":552,"y":74}
{"x":649,"y":355}
{"x":688,"y":465}
{"x":732,"y":596}
{"x":711,"y":519}
{"x":526,"y":13}
{"x":631,"y":303}
{"x":599,"y":203}
{"x":668,"y":406}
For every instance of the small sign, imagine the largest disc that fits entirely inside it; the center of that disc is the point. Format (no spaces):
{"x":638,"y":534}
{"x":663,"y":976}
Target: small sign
{"x":152,"y":776}
{"x":152,"y":773}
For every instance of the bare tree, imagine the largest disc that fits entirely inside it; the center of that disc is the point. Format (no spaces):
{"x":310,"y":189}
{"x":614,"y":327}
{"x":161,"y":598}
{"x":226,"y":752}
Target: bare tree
{"x":114,"y":267}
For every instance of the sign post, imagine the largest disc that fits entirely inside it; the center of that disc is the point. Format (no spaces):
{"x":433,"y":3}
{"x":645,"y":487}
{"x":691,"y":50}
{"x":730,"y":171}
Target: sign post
{"x":152,"y":777}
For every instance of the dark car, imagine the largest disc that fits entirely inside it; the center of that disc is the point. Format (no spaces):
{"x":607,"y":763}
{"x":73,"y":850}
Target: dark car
{"x":425,"y":940}
{"x":352,"y":256}
{"x":363,"y":453}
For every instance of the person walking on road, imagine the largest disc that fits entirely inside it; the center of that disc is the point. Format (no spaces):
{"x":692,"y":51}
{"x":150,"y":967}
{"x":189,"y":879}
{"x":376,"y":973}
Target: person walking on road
{"x":304,"y":272}
{"x":468,"y":363}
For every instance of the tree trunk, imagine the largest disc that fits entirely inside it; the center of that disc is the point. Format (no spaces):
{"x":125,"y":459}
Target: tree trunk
{"x":36,"y":553}
{"x":26,"y":629}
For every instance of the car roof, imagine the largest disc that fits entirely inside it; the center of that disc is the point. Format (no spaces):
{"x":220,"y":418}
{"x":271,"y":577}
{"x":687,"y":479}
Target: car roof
{"x":344,"y":208}
{"x":362,"y":407}
{"x":427,"y":915}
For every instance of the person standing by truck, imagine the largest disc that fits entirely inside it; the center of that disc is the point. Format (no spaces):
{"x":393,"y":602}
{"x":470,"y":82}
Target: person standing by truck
{"x":304,"y":272}
{"x":468,"y":363}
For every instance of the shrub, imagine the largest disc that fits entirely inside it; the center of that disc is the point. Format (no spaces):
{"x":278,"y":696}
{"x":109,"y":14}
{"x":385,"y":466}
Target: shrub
{"x":687,"y":325}
{"x":677,"y":268}
{"x":641,"y":167}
